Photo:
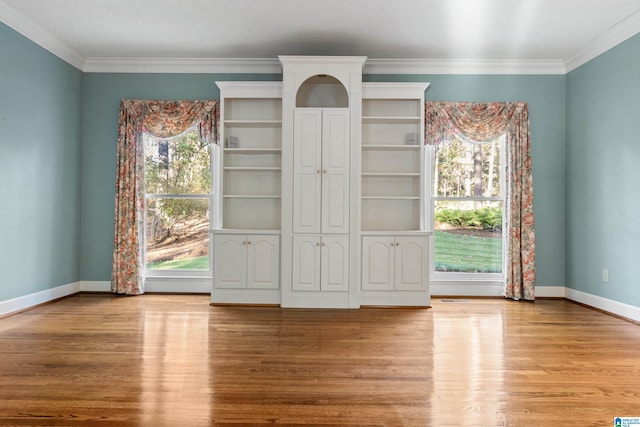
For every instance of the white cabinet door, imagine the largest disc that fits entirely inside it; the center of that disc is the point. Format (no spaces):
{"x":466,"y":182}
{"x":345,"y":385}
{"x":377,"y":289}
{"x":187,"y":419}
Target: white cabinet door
{"x":307,"y":169}
{"x":378,"y":263}
{"x":394,"y":263}
{"x":334,"y":263}
{"x":335,"y":171}
{"x":320,"y":263}
{"x":411,"y":263}
{"x":321,"y":171}
{"x":306,"y":263}
{"x":263,"y":262}
{"x":230,"y":255}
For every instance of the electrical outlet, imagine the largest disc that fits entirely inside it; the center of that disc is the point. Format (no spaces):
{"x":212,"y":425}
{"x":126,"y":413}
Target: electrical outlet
{"x":605,"y":275}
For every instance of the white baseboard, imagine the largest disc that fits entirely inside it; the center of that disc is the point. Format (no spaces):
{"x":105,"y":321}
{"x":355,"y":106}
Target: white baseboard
{"x":31,"y":300}
{"x":95,"y":286}
{"x":158,"y":284}
{"x":203,"y":286}
{"x":488,"y":289}
{"x":191,"y":285}
{"x":550,"y":292}
{"x":614,"y":307}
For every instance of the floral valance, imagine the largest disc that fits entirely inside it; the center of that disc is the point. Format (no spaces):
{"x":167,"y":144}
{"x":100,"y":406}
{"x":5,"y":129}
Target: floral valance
{"x":165,"y":119}
{"x":481,"y":122}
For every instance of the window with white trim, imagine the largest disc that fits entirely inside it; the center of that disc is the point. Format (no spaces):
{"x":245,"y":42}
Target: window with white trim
{"x":469,"y":208}
{"x":177,"y":204}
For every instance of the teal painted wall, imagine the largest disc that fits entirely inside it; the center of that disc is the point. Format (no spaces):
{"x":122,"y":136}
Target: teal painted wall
{"x":40,"y":146}
{"x":603,"y":173}
{"x":102,"y":94}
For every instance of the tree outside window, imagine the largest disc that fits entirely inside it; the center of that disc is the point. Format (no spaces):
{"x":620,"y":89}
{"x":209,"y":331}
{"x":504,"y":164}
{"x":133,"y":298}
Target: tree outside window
{"x":468,"y":206}
{"x":177,"y":201}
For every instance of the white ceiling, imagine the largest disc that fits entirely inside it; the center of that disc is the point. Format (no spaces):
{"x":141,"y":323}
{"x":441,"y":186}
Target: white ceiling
{"x":558,"y":33}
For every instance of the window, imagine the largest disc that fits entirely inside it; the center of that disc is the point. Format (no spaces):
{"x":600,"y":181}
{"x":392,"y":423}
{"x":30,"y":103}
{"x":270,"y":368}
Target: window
{"x":468,"y":207}
{"x":177,"y":204}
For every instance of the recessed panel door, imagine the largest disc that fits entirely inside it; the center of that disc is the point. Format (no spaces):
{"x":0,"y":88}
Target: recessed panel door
{"x":334,"y":260}
{"x":378,"y":263}
{"x":263,"y":267}
{"x":411,"y":263}
{"x":335,"y":171}
{"x":306,"y":263}
{"x":307,"y":170}
{"x":229,"y":268}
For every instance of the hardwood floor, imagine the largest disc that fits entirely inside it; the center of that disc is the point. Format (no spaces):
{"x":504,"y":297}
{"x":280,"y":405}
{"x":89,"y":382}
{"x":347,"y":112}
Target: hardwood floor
{"x":163,"y":360}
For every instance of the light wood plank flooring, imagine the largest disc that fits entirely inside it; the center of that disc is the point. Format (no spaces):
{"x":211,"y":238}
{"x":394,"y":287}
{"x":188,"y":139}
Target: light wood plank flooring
{"x":173,"y":360}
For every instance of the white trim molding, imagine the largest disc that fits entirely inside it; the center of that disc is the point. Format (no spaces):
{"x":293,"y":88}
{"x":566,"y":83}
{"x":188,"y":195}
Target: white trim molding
{"x":171,"y":285}
{"x":463,"y":66}
{"x":40,"y":36}
{"x":182,"y":65}
{"x":610,"y":306}
{"x":95,"y":286}
{"x":623,"y":30}
{"x":31,"y":300}
{"x":272,"y":66}
{"x":189,"y":285}
{"x":486,"y":289}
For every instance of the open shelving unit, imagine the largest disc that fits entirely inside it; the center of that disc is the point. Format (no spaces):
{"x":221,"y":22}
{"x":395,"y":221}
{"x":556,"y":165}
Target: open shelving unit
{"x":251,"y":162}
{"x":392,"y":157}
{"x":395,"y":243}
{"x":248,"y":181}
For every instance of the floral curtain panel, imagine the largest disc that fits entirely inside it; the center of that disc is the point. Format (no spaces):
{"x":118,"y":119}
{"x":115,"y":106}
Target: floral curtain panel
{"x":484,"y":122}
{"x":163,"y":119}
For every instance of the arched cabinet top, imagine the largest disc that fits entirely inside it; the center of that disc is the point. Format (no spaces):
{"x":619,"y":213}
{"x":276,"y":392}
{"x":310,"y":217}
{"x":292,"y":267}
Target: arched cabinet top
{"x":322,"y":91}
{"x":306,"y":74}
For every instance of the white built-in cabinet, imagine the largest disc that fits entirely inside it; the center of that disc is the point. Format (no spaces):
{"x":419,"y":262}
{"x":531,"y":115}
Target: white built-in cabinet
{"x":321,"y":190}
{"x":394,"y":263}
{"x":247,"y":261}
{"x":320,"y":263}
{"x":395,"y":177}
{"x":247,"y":182}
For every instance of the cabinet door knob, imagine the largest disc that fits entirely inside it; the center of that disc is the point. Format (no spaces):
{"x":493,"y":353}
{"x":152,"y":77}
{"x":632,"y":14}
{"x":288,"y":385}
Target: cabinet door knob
{"x":318,"y":171}
{"x":324,"y":171}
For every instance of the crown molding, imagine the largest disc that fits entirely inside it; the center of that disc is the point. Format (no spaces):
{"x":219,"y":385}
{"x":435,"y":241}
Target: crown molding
{"x":182,"y":65}
{"x":273,"y":66}
{"x":463,"y":66}
{"x":40,"y":36}
{"x":623,"y":30}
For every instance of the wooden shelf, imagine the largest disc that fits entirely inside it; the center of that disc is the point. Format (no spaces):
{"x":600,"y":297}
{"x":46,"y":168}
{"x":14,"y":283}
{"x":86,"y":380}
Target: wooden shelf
{"x":391,"y":174}
{"x":251,"y":196}
{"x":390,"y":197}
{"x":391,"y":147}
{"x":387,"y":119}
{"x":252,"y":169}
{"x":253,"y":123}
{"x":253,"y":150}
